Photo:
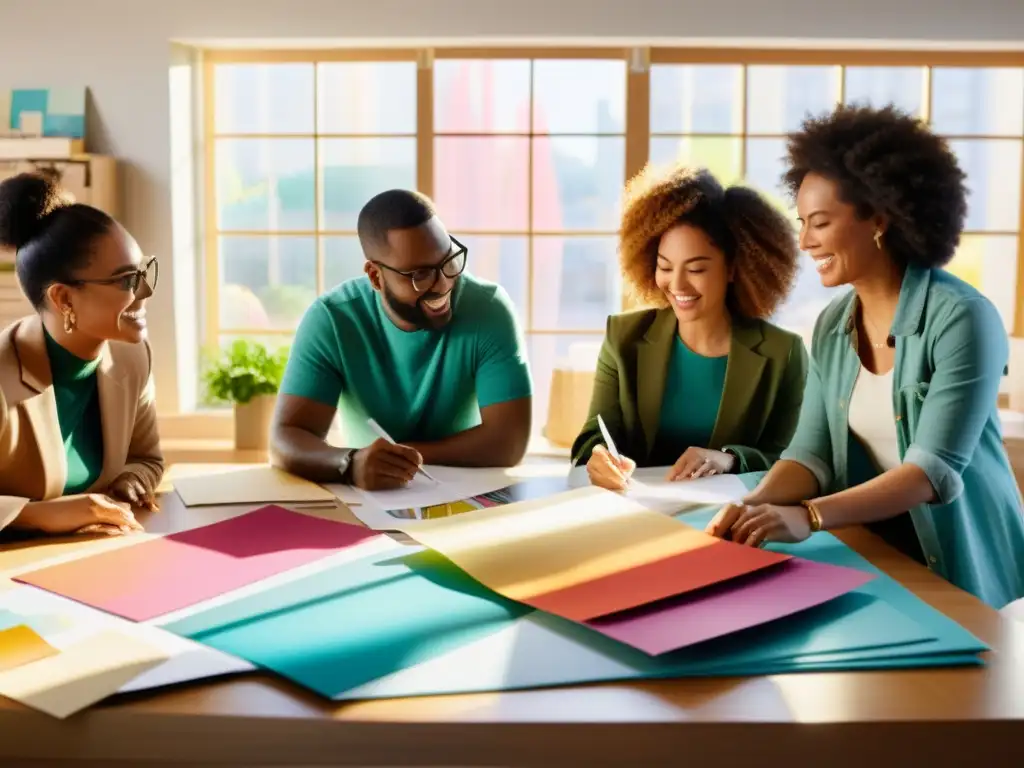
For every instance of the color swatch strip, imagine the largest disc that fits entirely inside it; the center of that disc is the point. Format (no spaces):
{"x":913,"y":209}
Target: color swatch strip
{"x":173,"y":572}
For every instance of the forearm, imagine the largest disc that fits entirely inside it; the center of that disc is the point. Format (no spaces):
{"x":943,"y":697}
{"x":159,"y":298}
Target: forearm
{"x":304,"y":454}
{"x":786,"y":483}
{"x":881,"y":498}
{"x":477,"y":447}
{"x":12,"y":508}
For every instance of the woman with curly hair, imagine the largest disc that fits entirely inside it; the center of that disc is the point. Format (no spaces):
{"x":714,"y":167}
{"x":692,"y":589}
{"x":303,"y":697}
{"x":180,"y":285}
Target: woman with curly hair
{"x":899,"y":428}
{"x":701,"y":382}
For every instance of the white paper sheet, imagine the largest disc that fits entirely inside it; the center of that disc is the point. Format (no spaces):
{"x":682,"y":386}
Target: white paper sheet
{"x":65,"y":624}
{"x":374,"y":508}
{"x":650,"y":488}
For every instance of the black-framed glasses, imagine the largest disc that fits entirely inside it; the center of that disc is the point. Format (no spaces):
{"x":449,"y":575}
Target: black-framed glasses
{"x":425,"y":278}
{"x":129,"y":281}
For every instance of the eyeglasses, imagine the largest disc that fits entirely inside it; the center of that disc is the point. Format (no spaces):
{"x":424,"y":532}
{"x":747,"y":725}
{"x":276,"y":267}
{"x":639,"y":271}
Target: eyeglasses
{"x":129,"y":281}
{"x":425,"y":278}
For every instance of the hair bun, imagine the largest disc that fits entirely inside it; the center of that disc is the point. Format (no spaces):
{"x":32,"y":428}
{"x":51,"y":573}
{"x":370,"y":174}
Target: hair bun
{"x":25,"y":202}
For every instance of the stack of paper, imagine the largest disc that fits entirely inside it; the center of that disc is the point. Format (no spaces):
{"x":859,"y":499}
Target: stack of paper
{"x":395,"y":625}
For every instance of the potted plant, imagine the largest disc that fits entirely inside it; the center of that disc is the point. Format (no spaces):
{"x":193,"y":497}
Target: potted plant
{"x":247,"y":375}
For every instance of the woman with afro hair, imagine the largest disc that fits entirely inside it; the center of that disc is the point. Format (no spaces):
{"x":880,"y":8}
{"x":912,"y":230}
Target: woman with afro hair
{"x":899,"y":427}
{"x":701,"y":382}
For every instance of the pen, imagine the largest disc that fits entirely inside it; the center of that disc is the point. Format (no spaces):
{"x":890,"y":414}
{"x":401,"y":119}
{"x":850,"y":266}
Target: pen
{"x":384,"y":435}
{"x":608,"y":438}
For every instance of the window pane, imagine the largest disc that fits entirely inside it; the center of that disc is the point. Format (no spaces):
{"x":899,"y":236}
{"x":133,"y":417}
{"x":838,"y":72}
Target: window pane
{"x":808,"y":298}
{"x":502,"y":260}
{"x":354,"y":170}
{"x":698,"y":98}
{"x":576,"y":283}
{"x":989,"y":263}
{"x":482,"y":183}
{"x":765,"y":166}
{"x":343,"y":260}
{"x":265,"y":184}
{"x":264,"y":98}
{"x":481,"y":96}
{"x":548,"y":352}
{"x":723,"y":157}
{"x":993,"y":178}
{"x":879,"y":86}
{"x":780,"y":98}
{"x":577,"y":183}
{"x":265,"y":282}
{"x":366,"y":97}
{"x":969,"y":102}
{"x":577,"y":96}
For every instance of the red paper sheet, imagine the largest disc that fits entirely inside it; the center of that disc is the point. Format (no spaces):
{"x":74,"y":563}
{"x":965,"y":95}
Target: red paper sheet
{"x":681,"y":573}
{"x":163,"y":575}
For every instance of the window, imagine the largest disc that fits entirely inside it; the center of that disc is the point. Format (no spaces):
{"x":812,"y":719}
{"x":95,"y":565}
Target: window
{"x":526,"y":154}
{"x":732,"y":118}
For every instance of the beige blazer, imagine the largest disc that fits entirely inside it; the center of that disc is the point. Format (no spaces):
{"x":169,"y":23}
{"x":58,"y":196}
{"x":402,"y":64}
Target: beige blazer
{"x":33,"y":466}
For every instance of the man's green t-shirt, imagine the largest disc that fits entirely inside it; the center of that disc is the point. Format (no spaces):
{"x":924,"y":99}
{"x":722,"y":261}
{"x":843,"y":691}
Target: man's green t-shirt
{"x":422,"y":385}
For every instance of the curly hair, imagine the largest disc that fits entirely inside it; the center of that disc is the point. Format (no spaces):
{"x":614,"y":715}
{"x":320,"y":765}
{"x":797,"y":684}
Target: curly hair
{"x":754,"y":236}
{"x":887,"y":162}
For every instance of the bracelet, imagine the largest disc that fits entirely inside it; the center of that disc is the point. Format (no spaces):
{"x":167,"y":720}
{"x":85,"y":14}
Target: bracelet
{"x":815,"y":516}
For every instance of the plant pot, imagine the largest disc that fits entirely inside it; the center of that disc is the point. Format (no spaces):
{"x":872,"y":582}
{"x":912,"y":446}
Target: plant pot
{"x":252,"y":423}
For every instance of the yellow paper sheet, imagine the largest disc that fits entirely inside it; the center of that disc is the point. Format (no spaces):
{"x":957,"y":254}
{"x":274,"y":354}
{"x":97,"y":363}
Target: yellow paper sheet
{"x":81,"y":674}
{"x":248,"y":485}
{"x":21,"y":645}
{"x":531,"y":548}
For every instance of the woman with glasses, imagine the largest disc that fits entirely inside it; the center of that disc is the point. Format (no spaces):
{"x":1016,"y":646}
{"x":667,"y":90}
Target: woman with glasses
{"x":428,"y":352}
{"x":700,"y":382}
{"x":79,"y":447}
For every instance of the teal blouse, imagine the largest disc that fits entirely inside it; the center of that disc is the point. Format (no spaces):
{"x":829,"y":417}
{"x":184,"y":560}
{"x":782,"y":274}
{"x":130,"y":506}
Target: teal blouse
{"x":78,"y":412}
{"x":951,"y":352}
{"x":688,"y":420}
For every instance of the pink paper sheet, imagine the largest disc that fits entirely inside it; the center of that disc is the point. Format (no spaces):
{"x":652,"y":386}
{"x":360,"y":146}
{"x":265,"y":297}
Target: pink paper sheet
{"x":163,"y":575}
{"x":730,"y":606}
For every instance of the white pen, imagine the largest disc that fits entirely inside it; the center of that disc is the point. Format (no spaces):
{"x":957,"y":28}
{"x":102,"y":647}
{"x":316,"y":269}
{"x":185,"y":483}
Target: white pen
{"x":609,"y":443}
{"x":385,"y":436}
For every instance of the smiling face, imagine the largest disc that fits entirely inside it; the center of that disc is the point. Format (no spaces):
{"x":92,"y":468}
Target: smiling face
{"x":841,"y":243}
{"x":416,"y":275}
{"x":693,"y":273}
{"x":105,"y":306}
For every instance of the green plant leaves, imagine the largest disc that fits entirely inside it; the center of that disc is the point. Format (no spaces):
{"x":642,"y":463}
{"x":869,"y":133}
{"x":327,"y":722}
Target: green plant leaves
{"x":244,"y":371}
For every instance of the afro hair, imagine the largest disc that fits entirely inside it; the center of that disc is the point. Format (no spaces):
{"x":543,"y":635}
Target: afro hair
{"x":754,"y":236}
{"x":887,"y":162}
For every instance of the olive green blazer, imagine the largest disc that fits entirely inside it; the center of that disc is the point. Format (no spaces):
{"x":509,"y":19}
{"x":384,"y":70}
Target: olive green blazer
{"x":760,"y":405}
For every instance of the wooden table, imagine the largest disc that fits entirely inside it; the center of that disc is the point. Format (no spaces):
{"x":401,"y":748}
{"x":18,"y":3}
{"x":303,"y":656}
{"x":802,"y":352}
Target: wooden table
{"x":972,"y":716}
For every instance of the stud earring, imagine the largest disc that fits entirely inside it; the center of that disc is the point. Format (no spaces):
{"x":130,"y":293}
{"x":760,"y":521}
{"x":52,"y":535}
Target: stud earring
{"x":70,"y":321}
{"x":878,"y":239}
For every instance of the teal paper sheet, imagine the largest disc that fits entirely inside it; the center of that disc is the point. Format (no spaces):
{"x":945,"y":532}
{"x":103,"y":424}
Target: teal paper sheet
{"x":336,"y":629}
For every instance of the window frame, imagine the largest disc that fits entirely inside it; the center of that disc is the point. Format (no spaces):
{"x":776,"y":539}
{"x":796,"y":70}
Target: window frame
{"x":638,"y":62}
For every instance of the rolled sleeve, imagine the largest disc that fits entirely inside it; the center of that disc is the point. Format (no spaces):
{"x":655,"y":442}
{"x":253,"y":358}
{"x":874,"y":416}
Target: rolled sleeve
{"x":946,"y":481}
{"x":970,"y":354}
{"x":503,"y":372}
{"x":811,"y":446}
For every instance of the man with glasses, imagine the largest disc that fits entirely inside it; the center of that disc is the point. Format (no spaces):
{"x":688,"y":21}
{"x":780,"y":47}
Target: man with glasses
{"x":431,"y":354}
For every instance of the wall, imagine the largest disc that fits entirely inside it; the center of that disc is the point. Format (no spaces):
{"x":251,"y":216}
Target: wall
{"x":121,"y":50}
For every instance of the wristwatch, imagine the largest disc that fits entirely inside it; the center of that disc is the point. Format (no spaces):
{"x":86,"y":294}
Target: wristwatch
{"x":345,"y":467}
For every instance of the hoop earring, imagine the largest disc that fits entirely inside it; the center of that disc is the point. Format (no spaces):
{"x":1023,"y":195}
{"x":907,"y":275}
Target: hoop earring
{"x":70,"y":321}
{"x":878,"y":239}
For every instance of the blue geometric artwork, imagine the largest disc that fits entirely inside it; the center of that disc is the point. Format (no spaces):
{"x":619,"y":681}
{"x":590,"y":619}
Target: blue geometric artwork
{"x":58,"y":112}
